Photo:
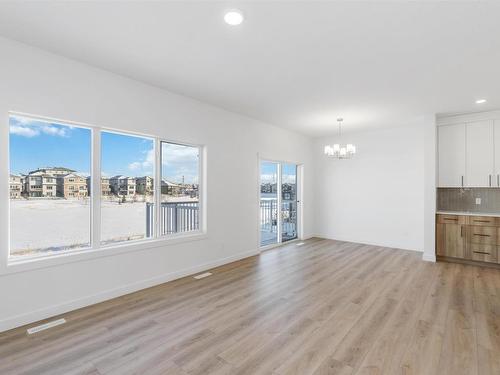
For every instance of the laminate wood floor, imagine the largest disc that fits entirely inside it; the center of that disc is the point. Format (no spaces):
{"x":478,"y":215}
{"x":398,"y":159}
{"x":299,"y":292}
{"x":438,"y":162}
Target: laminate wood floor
{"x":326,"y":307}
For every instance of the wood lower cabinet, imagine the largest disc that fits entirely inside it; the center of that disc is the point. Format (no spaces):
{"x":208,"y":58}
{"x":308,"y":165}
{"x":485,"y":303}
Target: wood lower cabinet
{"x":473,"y":238}
{"x":451,"y":240}
{"x":483,"y":253}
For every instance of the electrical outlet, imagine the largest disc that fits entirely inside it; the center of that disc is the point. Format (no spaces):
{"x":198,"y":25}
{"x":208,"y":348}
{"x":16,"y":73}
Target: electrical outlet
{"x":478,"y":200}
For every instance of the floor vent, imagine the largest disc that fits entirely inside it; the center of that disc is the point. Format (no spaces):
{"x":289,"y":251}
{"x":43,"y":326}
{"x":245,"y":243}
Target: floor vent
{"x":203,"y":275}
{"x":301,"y":243}
{"x":45,"y":326}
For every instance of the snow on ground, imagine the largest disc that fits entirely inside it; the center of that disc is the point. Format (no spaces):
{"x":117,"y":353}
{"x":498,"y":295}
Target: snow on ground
{"x":63,"y":224}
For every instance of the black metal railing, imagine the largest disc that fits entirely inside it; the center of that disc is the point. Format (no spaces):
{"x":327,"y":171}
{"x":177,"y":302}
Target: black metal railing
{"x":269,"y":220}
{"x":268,"y":215}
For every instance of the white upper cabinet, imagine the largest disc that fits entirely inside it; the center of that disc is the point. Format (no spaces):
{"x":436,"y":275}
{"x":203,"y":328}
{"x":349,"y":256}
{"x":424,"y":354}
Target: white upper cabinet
{"x":451,"y":155}
{"x":480,"y":154}
{"x":496,"y":179}
{"x":469,"y":150}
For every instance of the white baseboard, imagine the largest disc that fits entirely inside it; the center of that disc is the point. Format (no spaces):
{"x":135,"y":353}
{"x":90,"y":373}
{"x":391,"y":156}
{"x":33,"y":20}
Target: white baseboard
{"x":429,"y":257}
{"x":392,"y":246}
{"x":34,"y":316}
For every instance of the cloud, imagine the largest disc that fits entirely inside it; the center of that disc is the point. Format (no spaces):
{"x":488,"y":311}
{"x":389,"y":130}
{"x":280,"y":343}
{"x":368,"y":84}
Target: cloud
{"x":54,"y":130}
{"x":150,"y":159}
{"x":268,"y":178}
{"x":22,"y":120}
{"x":24,"y":131}
{"x":178,"y":154}
{"x":134,"y":166}
{"x":145,"y":166}
{"x":29,"y":128}
{"x":180,"y":163}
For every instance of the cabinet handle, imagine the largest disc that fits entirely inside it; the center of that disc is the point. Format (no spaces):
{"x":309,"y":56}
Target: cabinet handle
{"x":461,"y":230}
{"x":498,"y":180}
{"x":482,"y":221}
{"x":490,"y":179}
{"x":481,"y":252}
{"x":481,"y":235}
{"x":447,"y":218}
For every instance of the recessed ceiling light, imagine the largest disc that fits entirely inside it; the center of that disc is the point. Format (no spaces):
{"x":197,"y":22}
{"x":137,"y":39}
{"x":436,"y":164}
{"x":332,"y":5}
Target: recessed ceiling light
{"x":480,"y":101}
{"x":233,"y":17}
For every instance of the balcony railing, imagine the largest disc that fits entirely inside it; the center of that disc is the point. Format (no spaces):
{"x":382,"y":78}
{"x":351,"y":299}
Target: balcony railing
{"x":269,"y":220}
{"x":268,"y":215}
{"x":178,"y":217}
{"x":175,"y":217}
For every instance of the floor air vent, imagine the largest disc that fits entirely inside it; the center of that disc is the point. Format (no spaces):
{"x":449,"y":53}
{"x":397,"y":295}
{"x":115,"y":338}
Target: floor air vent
{"x":203,"y":275}
{"x":45,"y":326}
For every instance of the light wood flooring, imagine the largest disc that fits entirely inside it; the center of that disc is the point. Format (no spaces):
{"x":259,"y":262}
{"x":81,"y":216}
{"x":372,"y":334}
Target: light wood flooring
{"x":326,"y":307}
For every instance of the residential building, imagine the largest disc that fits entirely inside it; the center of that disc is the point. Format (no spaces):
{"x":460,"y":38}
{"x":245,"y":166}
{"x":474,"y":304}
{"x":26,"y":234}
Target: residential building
{"x":71,"y":185}
{"x":105,"y":188}
{"x":40,"y":184}
{"x":144,"y":185}
{"x":54,"y":171}
{"x":15,"y":186}
{"x":170,"y":188}
{"x":122,"y":185}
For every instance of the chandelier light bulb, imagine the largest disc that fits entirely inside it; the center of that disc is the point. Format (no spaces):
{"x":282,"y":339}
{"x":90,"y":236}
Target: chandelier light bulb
{"x":338,"y":150}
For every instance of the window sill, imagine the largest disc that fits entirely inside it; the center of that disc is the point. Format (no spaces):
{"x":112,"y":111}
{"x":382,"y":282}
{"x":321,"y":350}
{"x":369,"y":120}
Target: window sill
{"x":33,"y":263}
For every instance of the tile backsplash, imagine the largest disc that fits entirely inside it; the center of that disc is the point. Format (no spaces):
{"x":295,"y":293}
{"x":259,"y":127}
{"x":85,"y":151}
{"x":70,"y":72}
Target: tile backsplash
{"x":464,"y":199}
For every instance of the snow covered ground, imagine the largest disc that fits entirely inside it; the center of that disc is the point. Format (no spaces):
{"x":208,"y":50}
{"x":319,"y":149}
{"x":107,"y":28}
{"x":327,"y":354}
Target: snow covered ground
{"x":53,"y":225}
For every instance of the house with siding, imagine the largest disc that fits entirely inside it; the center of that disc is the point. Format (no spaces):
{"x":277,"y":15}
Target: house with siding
{"x":144,"y":185}
{"x":105,"y":188}
{"x":15,"y":186}
{"x":122,"y":185}
{"x":40,"y":184}
{"x":71,"y":185}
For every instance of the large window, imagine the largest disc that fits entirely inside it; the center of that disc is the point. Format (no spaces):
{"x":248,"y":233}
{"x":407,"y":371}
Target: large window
{"x":48,"y":161}
{"x":78,"y":187}
{"x":127,"y":187}
{"x":180,"y":175}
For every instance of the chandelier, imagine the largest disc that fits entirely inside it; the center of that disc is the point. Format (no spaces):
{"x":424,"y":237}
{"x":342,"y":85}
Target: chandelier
{"x":340,"y":151}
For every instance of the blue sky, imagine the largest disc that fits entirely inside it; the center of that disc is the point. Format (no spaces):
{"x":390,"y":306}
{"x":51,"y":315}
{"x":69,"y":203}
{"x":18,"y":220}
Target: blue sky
{"x":126,"y":155}
{"x":35,"y":144}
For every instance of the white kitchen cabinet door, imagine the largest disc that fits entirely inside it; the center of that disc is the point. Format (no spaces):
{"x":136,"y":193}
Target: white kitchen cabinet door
{"x":451,"y":155}
{"x":480,"y":155}
{"x":496,"y":179}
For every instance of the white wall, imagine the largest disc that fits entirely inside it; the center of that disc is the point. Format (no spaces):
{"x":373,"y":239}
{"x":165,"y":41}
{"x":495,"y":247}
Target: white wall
{"x":39,"y":83}
{"x":430,"y":183}
{"x":382,"y":195}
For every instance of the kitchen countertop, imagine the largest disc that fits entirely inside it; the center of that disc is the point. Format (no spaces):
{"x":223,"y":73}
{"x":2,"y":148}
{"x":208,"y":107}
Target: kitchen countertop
{"x":468,"y":213}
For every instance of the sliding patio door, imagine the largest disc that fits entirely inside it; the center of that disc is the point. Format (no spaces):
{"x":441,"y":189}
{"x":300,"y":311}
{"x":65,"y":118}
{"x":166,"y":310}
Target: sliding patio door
{"x":288,"y":202}
{"x":278,"y":202}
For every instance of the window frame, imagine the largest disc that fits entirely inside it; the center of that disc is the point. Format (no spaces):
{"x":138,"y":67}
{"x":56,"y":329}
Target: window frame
{"x":201,"y":207}
{"x":96,"y":249}
{"x":98,"y":188}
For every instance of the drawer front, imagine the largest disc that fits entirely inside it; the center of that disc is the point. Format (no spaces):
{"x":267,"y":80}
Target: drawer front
{"x":482,"y":220}
{"x":482,"y":235}
{"x":484,"y":253}
{"x":451,"y":219}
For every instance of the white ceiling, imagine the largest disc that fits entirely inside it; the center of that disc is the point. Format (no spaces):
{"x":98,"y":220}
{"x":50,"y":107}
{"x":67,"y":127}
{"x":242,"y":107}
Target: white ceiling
{"x":298,"y":65}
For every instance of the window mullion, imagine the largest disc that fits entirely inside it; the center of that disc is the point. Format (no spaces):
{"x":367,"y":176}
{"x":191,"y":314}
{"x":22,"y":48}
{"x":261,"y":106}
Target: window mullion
{"x":157,"y":187}
{"x":96,"y":189}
